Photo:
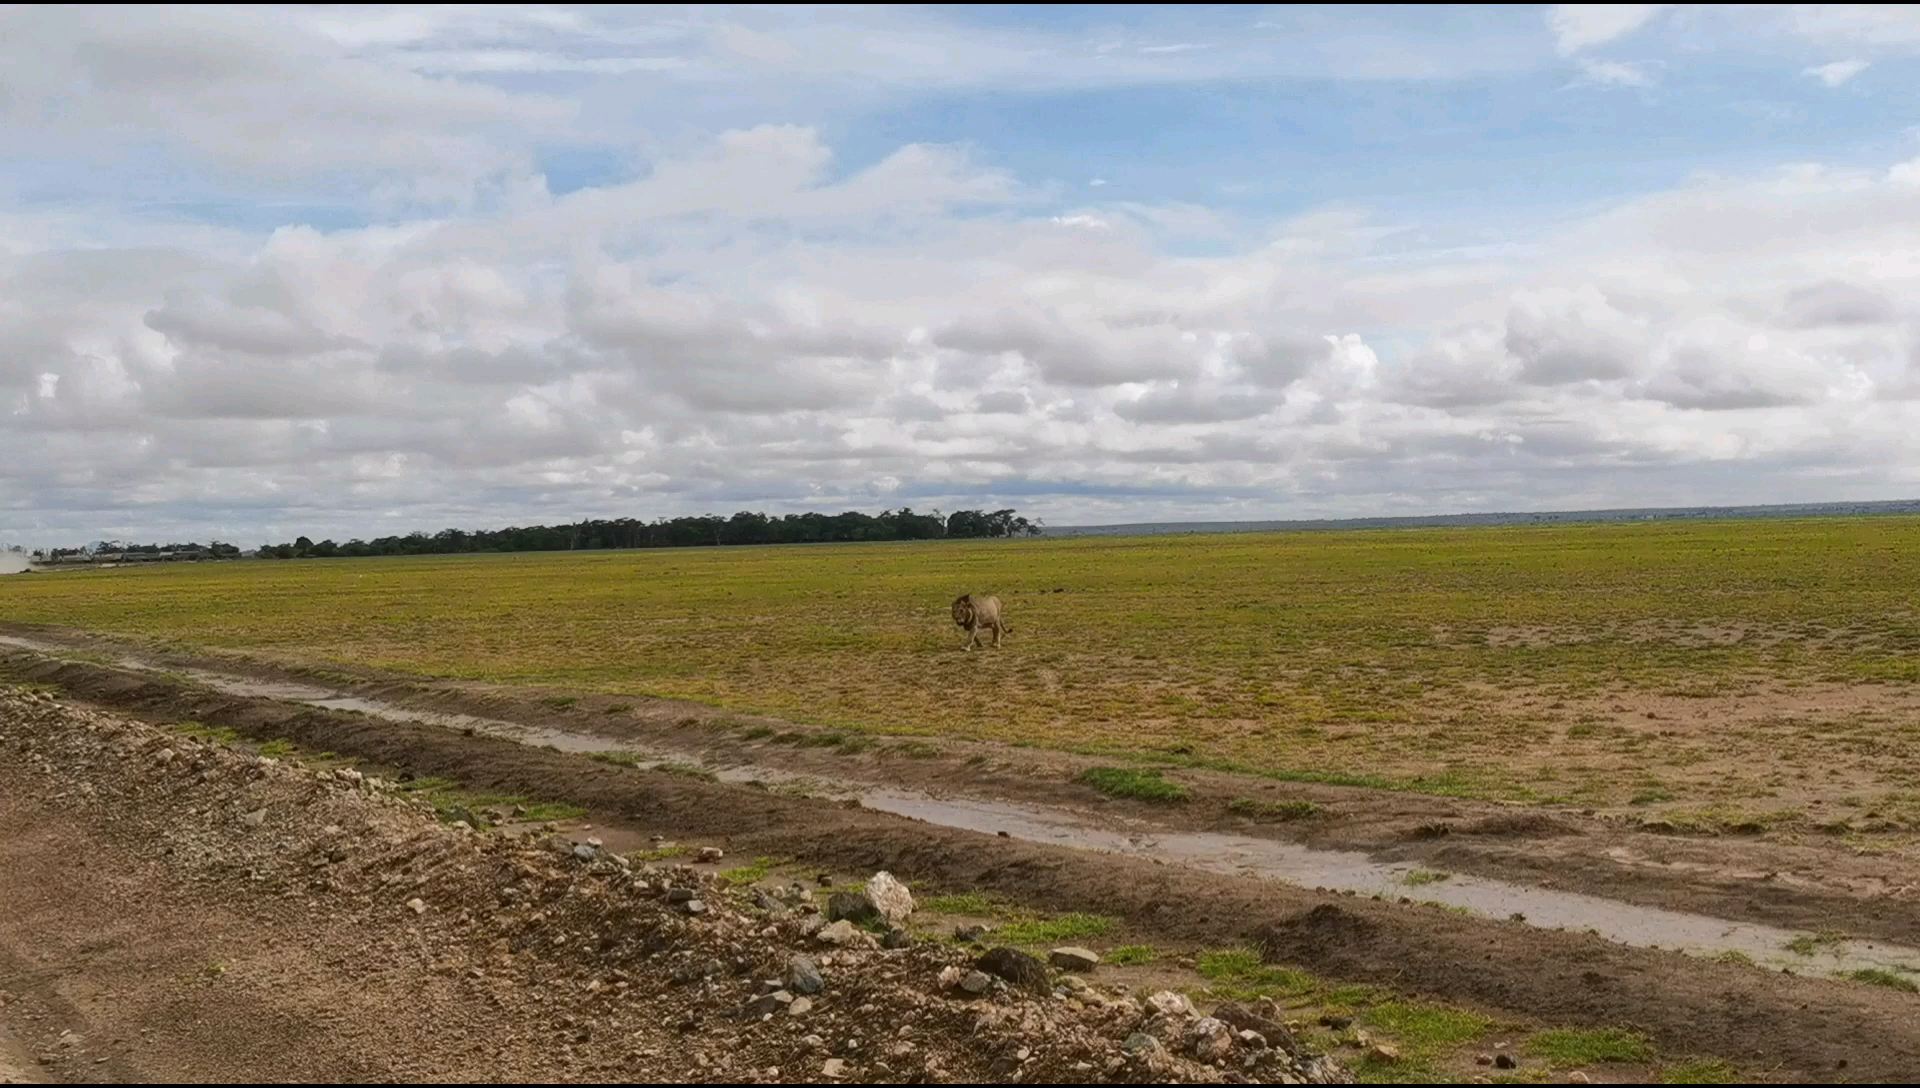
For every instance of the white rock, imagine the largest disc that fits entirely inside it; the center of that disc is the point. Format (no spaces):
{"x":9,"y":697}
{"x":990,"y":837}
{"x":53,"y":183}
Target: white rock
{"x":1073,"y":958}
{"x":890,"y":897}
{"x":1168,"y":1003}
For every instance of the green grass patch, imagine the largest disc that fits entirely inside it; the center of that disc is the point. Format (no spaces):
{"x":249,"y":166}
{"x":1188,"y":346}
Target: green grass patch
{"x":1422,"y":1029}
{"x":686,"y":770}
{"x":751,"y":873}
{"x":1372,"y":1070}
{"x":1572,"y":1046}
{"x":1063,"y":927}
{"x":1807,"y":944}
{"x":1138,"y":785}
{"x":971,"y":903}
{"x":1278,"y":811}
{"x":1131,"y":955}
{"x":1875,"y":976}
{"x":1425,"y":876}
{"x":1238,"y":973}
{"x":219,"y":734}
{"x":1701,"y":1071}
{"x":278,"y":748}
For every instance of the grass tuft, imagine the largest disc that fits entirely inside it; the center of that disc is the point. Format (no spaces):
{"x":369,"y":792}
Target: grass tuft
{"x":1572,"y":1046}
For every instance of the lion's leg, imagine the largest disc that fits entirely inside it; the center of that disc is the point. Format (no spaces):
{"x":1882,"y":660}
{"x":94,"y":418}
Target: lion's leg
{"x":996,"y":636}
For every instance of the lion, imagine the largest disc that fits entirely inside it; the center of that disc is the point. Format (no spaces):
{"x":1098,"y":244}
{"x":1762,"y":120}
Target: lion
{"x":974,"y":613}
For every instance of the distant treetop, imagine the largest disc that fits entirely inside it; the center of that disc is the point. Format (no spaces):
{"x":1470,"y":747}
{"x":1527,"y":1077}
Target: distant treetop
{"x":745,"y":527}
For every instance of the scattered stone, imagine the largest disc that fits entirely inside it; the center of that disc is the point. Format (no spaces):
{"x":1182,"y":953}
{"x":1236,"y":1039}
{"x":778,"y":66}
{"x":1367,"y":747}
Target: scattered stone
{"x":710,"y":854}
{"x":1505,"y":1061}
{"x":803,"y":976}
{"x":1385,"y":1053}
{"x":850,"y":906}
{"x":840,"y":934}
{"x":554,"y":945}
{"x":896,"y":938}
{"x":1210,"y":1039}
{"x":1015,"y":966}
{"x":1577,"y":1077}
{"x":969,"y":933}
{"x":1272,"y":1031}
{"x":1168,"y":1003}
{"x":1337,"y":1023}
{"x":767,"y":1005}
{"x":1073,"y":959}
{"x":889,"y":897}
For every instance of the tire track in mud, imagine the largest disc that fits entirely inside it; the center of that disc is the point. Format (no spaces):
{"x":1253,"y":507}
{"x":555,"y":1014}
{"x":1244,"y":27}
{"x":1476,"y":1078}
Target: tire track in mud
{"x":1804,"y":1027}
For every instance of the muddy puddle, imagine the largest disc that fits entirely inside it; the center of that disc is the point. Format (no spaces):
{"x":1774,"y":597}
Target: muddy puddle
{"x":1236,"y":855}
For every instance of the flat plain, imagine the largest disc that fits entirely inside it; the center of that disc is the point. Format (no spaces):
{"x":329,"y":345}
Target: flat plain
{"x":1716,"y":673}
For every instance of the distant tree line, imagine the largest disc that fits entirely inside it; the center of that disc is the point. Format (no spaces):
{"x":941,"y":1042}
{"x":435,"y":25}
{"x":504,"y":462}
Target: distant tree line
{"x":214,"y":549}
{"x":745,"y":527}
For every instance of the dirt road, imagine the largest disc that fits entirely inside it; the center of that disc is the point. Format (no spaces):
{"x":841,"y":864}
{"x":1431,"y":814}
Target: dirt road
{"x":178,"y":910}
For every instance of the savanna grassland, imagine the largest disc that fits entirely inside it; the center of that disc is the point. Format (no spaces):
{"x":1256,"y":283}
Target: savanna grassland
{"x":1738,"y":671}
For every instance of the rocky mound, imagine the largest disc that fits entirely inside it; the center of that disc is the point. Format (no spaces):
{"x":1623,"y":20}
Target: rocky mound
{"x":614,"y":967}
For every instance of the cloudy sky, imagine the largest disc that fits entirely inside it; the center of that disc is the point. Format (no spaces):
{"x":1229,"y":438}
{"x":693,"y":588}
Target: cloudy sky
{"x":350,"y":271}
